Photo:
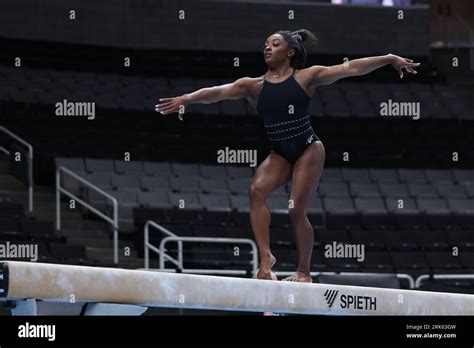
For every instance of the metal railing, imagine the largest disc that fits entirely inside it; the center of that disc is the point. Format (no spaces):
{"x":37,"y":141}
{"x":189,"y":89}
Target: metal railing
{"x":30,"y":163}
{"x":172,"y":237}
{"x":148,"y":246}
{"x":113,"y":221}
{"x":212,"y":241}
{"x":424,"y":277}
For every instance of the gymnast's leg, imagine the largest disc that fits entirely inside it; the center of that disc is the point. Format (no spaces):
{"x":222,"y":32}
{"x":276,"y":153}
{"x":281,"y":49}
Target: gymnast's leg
{"x":306,"y":174}
{"x":272,"y":173}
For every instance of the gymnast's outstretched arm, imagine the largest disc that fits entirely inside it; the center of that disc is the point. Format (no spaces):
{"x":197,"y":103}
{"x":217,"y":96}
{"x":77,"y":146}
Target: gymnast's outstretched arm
{"x":325,"y":75}
{"x":236,"y":90}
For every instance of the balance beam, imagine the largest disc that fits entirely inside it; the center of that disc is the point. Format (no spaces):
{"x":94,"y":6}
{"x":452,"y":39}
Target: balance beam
{"x":62,"y":283}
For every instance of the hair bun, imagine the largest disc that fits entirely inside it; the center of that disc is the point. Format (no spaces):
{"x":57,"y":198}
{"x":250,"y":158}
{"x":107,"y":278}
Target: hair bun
{"x":298,"y":37}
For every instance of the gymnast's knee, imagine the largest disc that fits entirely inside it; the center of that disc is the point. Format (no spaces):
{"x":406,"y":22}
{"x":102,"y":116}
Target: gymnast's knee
{"x":257,"y":192}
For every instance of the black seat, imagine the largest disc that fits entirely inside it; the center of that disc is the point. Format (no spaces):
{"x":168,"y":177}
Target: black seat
{"x":340,"y":212}
{"x":404,"y":211}
{"x":451,"y":190}
{"x":281,"y":235}
{"x":467,"y":260}
{"x":129,"y":167}
{"x":102,"y":180}
{"x":463,"y":238}
{"x":400,"y":240}
{"x":394,"y":190}
{"x":235,"y":172}
{"x":463,"y":210}
{"x":185,"y":184}
{"x":342,"y":264}
{"x":412,"y":176}
{"x":377,"y":261}
{"x":413,"y":263}
{"x":422,"y":191}
{"x":158,"y":198}
{"x":217,"y":208}
{"x":373,"y":212}
{"x":186,"y":207}
{"x":373,"y":239}
{"x":334,"y":189}
{"x":463,"y":175}
{"x":241,"y":207}
{"x":315,"y":210}
{"x":214,"y":185}
{"x":439,"y":175}
{"x":231,"y":231}
{"x":185,"y":169}
{"x":331,"y":175}
{"x":9,"y":224}
{"x":149,"y":183}
{"x":93,"y":165}
{"x":384,"y":175}
{"x":436,"y":211}
{"x":432,"y":240}
{"x":119,"y":182}
{"x":333,"y":235}
{"x":68,"y":252}
{"x":11,"y":210}
{"x":278,"y":205}
{"x":443,"y":260}
{"x":14,"y":237}
{"x":239,"y":186}
{"x":212,"y":171}
{"x":353,"y":175}
{"x":37,"y":228}
{"x":364,"y":190}
{"x":157,"y":169}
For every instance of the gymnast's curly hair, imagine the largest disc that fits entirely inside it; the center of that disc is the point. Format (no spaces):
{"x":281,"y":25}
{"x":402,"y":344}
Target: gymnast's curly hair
{"x":297,"y":39}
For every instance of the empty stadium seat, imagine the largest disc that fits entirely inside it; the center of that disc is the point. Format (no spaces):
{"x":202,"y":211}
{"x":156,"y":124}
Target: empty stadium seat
{"x":239,"y":186}
{"x":157,"y":198}
{"x":239,"y":172}
{"x":340,"y":212}
{"x":186,"y":207}
{"x":217,"y":208}
{"x":148,"y":183}
{"x":157,"y":168}
{"x":99,"y":165}
{"x":333,"y":189}
{"x":128,"y":167}
{"x":214,"y":185}
{"x":404,"y":211}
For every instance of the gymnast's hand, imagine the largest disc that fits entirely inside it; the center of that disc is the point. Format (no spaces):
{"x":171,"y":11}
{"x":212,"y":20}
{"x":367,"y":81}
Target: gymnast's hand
{"x":400,"y":63}
{"x":171,"y":105}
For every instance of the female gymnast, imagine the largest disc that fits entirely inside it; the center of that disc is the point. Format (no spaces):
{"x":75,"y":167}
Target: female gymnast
{"x":281,"y":96}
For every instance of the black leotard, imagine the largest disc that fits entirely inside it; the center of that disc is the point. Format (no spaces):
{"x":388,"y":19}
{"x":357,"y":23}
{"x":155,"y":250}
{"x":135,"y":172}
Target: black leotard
{"x":284,"y":108}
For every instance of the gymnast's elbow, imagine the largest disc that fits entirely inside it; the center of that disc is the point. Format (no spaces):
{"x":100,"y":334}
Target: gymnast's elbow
{"x":208,"y":95}
{"x":233,"y":91}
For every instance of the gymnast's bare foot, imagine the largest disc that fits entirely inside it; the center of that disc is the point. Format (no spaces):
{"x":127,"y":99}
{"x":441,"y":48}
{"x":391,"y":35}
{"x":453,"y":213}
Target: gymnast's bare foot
{"x":299,"y":276}
{"x":265,"y":270}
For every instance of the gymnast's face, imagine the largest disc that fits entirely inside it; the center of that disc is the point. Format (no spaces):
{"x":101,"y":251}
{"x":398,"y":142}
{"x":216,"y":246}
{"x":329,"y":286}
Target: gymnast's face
{"x":276,"y":50}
